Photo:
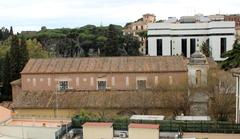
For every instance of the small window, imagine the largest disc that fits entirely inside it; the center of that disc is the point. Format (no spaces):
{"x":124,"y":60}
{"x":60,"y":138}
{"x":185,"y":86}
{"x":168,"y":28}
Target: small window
{"x":63,"y":85}
{"x":102,"y":85}
{"x":141,"y":84}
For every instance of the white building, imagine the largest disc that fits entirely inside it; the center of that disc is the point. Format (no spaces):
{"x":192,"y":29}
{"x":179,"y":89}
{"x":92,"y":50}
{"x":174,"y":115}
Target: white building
{"x":184,"y":38}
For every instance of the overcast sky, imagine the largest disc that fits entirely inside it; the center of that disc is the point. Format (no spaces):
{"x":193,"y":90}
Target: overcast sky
{"x":32,"y":14}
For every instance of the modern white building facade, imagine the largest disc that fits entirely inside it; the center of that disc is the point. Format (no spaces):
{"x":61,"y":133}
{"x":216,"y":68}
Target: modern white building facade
{"x":176,"y":38}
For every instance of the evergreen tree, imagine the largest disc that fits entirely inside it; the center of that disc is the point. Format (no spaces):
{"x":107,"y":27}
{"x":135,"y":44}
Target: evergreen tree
{"x":1,"y":35}
{"x":114,"y":43}
{"x":205,"y":49}
{"x":14,"y":63}
{"x":6,"y":76}
{"x":11,"y":31}
{"x":5,"y":34}
{"x":233,"y":57}
{"x":131,"y":45}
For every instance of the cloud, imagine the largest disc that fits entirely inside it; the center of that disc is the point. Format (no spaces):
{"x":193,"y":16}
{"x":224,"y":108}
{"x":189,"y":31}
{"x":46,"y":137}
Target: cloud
{"x":74,"y":13}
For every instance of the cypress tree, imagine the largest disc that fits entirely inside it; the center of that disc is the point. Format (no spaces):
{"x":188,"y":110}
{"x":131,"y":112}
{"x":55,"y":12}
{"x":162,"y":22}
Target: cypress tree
{"x":11,"y":31}
{"x":6,"y":76}
{"x":14,"y":63}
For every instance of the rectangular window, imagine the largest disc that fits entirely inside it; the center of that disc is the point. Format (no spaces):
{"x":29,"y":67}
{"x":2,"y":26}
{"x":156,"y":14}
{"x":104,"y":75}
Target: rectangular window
{"x":184,"y":47}
{"x":63,"y":85}
{"x":223,"y":46}
{"x":171,"y":48}
{"x":192,"y":46}
{"x":147,"y":47}
{"x":102,"y":85}
{"x":141,"y":84}
{"x":159,"y":47}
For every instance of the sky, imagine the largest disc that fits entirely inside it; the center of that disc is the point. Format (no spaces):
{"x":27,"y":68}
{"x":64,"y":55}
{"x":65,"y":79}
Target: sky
{"x":32,"y":14}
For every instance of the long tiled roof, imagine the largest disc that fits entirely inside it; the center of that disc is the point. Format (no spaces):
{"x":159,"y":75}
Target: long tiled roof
{"x":106,"y":64}
{"x":90,"y":99}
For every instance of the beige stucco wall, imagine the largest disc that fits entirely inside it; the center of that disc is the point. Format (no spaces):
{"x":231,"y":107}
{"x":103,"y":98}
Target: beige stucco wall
{"x":97,"y":132}
{"x":89,"y":81}
{"x":211,"y":136}
{"x":38,"y":82}
{"x":143,"y":133}
{"x":28,"y":132}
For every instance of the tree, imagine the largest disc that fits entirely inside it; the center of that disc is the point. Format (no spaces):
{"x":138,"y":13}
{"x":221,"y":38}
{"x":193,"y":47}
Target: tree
{"x":35,"y":49}
{"x":233,"y":57}
{"x":11,"y":31}
{"x":205,"y":48}
{"x":6,"y":76}
{"x":14,"y":63}
{"x":113,"y":46}
{"x":131,"y":45}
{"x":221,"y":91}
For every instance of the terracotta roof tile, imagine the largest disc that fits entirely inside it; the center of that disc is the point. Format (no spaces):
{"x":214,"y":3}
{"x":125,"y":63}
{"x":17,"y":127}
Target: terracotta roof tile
{"x":101,"y":124}
{"x":151,"y":126}
{"x":106,"y":64}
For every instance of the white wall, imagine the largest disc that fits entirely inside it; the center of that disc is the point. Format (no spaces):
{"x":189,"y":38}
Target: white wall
{"x":143,"y":133}
{"x":177,"y":32}
{"x":97,"y":132}
{"x":28,"y":132}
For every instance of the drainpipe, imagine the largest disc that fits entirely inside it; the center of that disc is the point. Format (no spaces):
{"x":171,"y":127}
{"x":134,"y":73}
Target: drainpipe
{"x":237,"y":98}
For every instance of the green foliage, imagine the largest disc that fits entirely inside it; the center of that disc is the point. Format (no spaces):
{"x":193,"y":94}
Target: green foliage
{"x":35,"y":49}
{"x":142,"y":34}
{"x":86,"y":41}
{"x":233,"y":57}
{"x":131,"y":45}
{"x":205,"y":49}
{"x":4,"y":33}
{"x":14,"y":63}
{"x":6,"y":76}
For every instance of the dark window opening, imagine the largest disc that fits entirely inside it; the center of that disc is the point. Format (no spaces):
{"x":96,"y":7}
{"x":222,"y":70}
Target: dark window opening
{"x":141,"y":84}
{"x":102,"y":85}
{"x":192,"y":46}
{"x":223,"y":46}
{"x":159,"y":47}
{"x":147,"y":47}
{"x":184,"y":47}
{"x":63,"y":85}
{"x":171,"y":48}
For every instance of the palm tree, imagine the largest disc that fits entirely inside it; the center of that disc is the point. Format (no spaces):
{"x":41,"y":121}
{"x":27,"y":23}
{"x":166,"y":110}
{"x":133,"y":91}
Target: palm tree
{"x":233,"y":57}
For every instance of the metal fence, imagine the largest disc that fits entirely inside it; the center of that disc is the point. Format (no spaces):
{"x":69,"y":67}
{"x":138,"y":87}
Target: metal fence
{"x":63,"y":130}
{"x":171,"y":125}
